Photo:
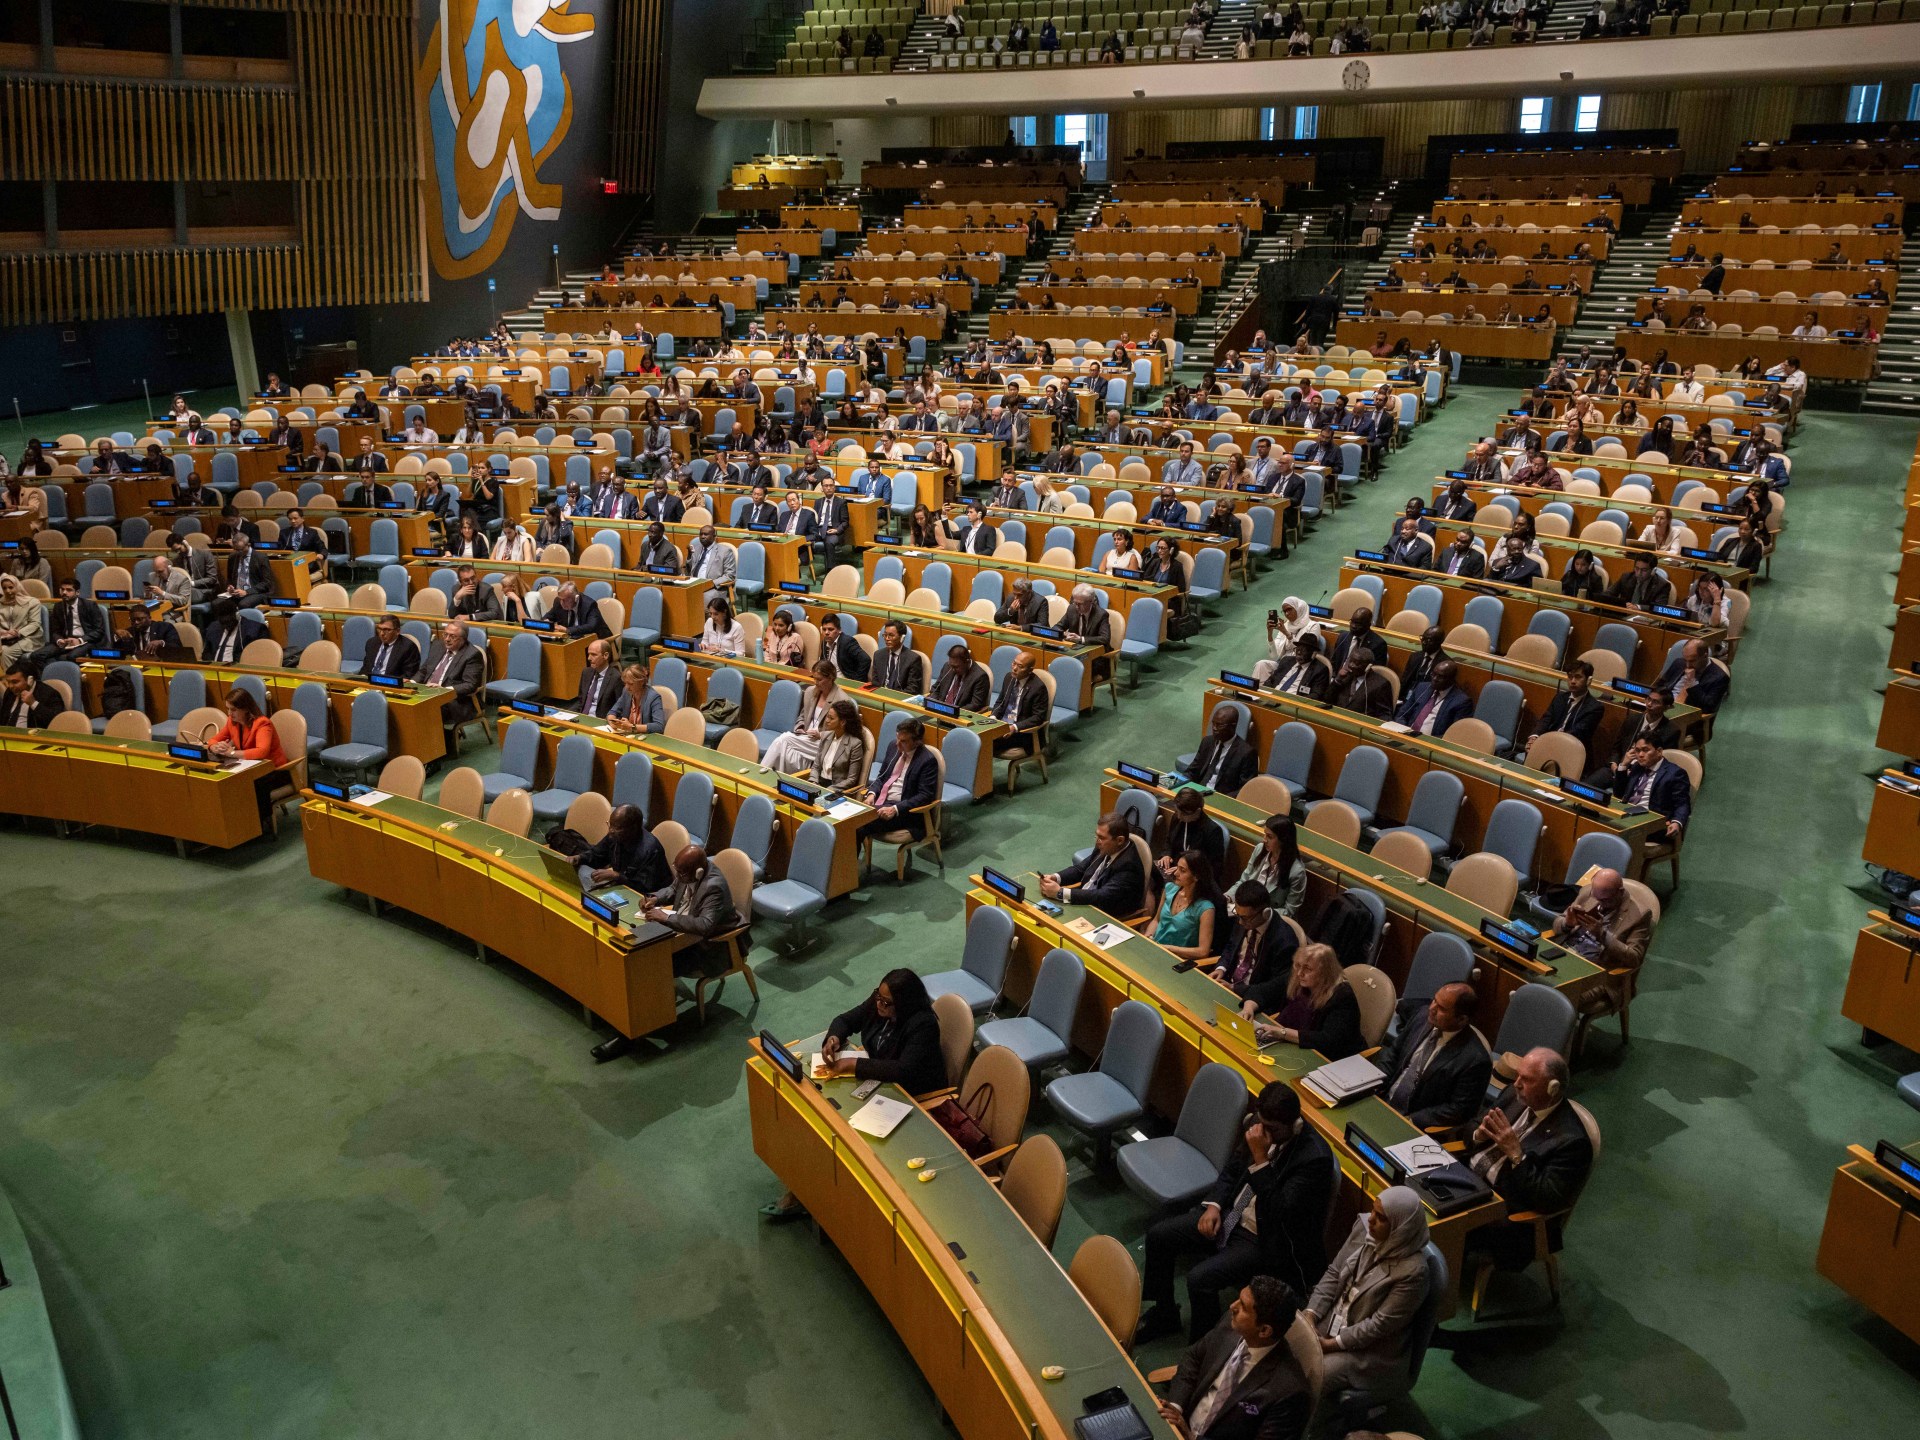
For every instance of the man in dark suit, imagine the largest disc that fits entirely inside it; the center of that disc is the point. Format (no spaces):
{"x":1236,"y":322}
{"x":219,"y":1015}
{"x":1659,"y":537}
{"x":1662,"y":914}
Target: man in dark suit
{"x":831,"y":520}
{"x":1257,"y":946}
{"x":1715,"y":275}
{"x":1355,"y":687}
{"x":1640,"y":588}
{"x":74,"y":626}
{"x":1109,"y":879}
{"x":1460,"y":558}
{"x":962,"y":681}
{"x":1456,"y":505}
{"x":1224,"y":762}
{"x":1024,"y":607}
{"x":1023,"y":704}
{"x":249,"y":576}
{"x":1409,"y":547}
{"x":1419,"y":665}
{"x":1576,"y":710}
{"x":1284,"y":1174}
{"x":1305,"y":670}
{"x":368,"y":464}
{"x":1437,"y":1068}
{"x":1694,"y":679}
{"x":626,"y":855}
{"x":1649,"y":780}
{"x":1168,"y":508}
{"x":1436,"y":702}
{"x":845,"y":653}
{"x":612,"y":502}
{"x":661,"y":504}
{"x":759,"y":510}
{"x":1359,"y":633}
{"x":145,"y":635}
{"x":978,"y":537}
{"x":228,"y":632}
{"x":29,"y":702}
{"x":325,"y":460}
{"x":459,"y":666}
{"x":909,"y":781}
{"x":599,"y":681}
{"x":1649,"y":719}
{"x":389,"y":652}
{"x":296,"y":534}
{"x":1533,"y":1149}
{"x":576,"y":614}
{"x":796,"y":518}
{"x":1241,"y":1380}
{"x":895,"y":667}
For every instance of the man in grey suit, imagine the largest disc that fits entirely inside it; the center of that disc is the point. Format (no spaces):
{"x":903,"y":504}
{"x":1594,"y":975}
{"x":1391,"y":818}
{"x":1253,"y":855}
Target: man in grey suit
{"x":708,"y":558}
{"x":698,"y":903}
{"x":1240,"y":1381}
{"x":458,"y":665}
{"x":1437,"y":1069}
{"x":202,"y":570}
{"x":169,"y":582}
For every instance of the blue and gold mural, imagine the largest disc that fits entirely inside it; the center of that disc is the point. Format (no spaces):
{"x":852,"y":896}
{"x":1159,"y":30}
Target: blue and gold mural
{"x":497,"y":105}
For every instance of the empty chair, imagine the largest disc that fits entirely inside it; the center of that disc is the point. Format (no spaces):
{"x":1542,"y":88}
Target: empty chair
{"x":1116,"y":1091}
{"x":519,"y":759}
{"x":1433,"y":812}
{"x":983,"y":961}
{"x":1362,"y":776}
{"x":1487,"y":612}
{"x":310,"y":699}
{"x":522,"y":680}
{"x":1556,"y":625}
{"x":632,"y":780}
{"x":1499,"y":706}
{"x":1104,"y":1273}
{"x":1041,"y":1036}
{"x":1290,"y":759}
{"x":1141,"y":639}
{"x":1440,"y":959}
{"x":512,"y":812}
{"x":366,"y":743}
{"x":1172,"y":1169}
{"x":1513,"y":833}
{"x":1426,"y":600}
{"x":187,"y":690}
{"x":956,"y":1036}
{"x":803,"y":891}
{"x":1034,"y":1183}
{"x":572,"y":777}
{"x":1402,"y":850}
{"x":693,"y":806}
{"x":403,"y":775}
{"x":1487,"y":880}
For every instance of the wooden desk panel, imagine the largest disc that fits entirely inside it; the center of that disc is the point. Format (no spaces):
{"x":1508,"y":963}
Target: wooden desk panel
{"x":928,"y":325}
{"x":1883,"y":984}
{"x":1783,"y":315}
{"x":1821,"y":359}
{"x":1631,"y":189}
{"x":1728,"y":214}
{"x":930,"y":240}
{"x":1663,"y":163}
{"x":794,"y":242}
{"x":1181,"y":299}
{"x":984,"y":270}
{"x":695,"y":322}
{"x":945,"y":213}
{"x":1870,"y":1243}
{"x":1496,"y":272}
{"x":1867,"y":247}
{"x":720,"y":267}
{"x":1561,"y":305}
{"x":128,"y":785}
{"x":661,"y":295}
{"x":1527,"y":244}
{"x":1502,"y":214}
{"x":1136,"y":327}
{"x":1146,"y":240}
{"x":1160,"y":214}
{"x":1893,"y":827}
{"x":1481,"y":342}
{"x":1766,"y":280}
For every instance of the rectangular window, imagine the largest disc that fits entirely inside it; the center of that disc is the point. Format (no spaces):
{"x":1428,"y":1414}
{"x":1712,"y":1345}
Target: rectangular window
{"x":1863,"y":104}
{"x":1306,"y":122}
{"x":1533,"y":114}
{"x":1269,"y":119}
{"x":1586,"y":114}
{"x":1913,"y":103}
{"x":1025,"y":128}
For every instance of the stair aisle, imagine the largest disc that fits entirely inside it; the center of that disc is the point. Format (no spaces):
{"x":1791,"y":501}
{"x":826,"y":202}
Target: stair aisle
{"x":1896,"y":391}
{"x":1630,"y":271}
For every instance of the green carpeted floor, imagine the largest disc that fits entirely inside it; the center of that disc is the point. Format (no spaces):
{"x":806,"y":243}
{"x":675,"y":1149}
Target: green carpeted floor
{"x":292,"y":1170}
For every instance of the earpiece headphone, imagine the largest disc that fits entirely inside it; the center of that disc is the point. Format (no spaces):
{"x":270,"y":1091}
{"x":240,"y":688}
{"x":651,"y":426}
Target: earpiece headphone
{"x":1553,"y":1089}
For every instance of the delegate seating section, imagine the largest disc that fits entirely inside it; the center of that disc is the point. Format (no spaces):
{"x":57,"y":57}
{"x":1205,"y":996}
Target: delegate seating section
{"x":1733,"y":17}
{"x":1393,"y":26}
{"x":1084,"y":26}
{"x":813,"y":50}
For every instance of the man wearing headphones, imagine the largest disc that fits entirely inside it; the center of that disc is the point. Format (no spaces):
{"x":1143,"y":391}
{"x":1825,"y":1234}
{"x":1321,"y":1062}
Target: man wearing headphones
{"x":1532,"y":1147}
{"x":700,"y":903}
{"x":1266,"y":1216}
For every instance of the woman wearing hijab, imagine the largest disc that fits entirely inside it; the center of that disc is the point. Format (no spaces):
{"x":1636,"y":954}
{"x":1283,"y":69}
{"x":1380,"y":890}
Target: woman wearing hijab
{"x":1290,"y":622}
{"x":1364,"y":1306}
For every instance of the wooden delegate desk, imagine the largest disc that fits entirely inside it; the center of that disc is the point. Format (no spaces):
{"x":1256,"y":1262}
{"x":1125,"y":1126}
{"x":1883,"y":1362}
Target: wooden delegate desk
{"x":843,"y":218}
{"x":733,"y":780}
{"x":1415,"y":908}
{"x":982,"y":638}
{"x":805,"y":172}
{"x":1883,"y":985}
{"x":1020,"y":174}
{"x":739,"y":199}
{"x":805,"y":243}
{"x":561,"y":659}
{"x":930,"y":240}
{"x":1630,"y":189}
{"x":1181,"y":299}
{"x":1120,"y":594}
{"x":682,"y":599}
{"x":1821,"y":359}
{"x":657,"y":294}
{"x":1138,"y":969}
{"x":981,"y":269}
{"x":1479,"y":342}
{"x":505,"y":892}
{"x":1728,"y":214}
{"x":1527,"y":244}
{"x":132,"y":493}
{"x":1207,"y":270}
{"x":1005,"y":212}
{"x":1170,"y":240}
{"x":415,"y":713}
{"x":1069,"y":326}
{"x":1487,"y":779}
{"x":1497,"y":272}
{"x":1616,"y":560}
{"x":1769,"y":279}
{"x":1662,"y":162}
{"x":1293,"y":169}
{"x":863,"y":511}
{"x":927,"y":325}
{"x":994,"y":194}
{"x":1588,"y":508}
{"x":1870,"y":1243}
{"x":292,"y":574}
{"x":1502,"y":214}
{"x":1562,"y":305}
{"x":874,"y":704}
{"x":1783,"y":315}
{"x":820,"y":297}
{"x":129,"y":785}
{"x":691,"y":322}
{"x":1162,"y":213}
{"x":1656,"y":633}
{"x":783,"y":551}
{"x":1899,"y":730}
{"x":1087,"y":530}
{"x":1858,"y":248}
{"x":1735,"y":181}
{"x":1893,"y":824}
{"x":677,"y":268}
{"x":981,"y":1329}
{"x":1688,"y":415}
{"x":1270,"y":193}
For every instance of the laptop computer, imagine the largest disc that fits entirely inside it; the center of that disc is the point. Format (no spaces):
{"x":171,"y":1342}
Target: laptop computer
{"x":1230,"y":1021}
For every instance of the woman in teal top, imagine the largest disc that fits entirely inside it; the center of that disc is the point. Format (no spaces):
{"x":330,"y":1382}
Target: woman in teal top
{"x":1190,"y":909}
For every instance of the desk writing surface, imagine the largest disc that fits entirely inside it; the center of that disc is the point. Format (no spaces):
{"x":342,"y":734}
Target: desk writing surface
{"x":518,"y":852}
{"x":1033,"y":1302}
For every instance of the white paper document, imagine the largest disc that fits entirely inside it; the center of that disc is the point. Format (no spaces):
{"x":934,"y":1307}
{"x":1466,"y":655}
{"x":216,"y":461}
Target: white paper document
{"x":1420,"y":1155}
{"x":818,"y":1067}
{"x":1108,"y":936}
{"x":879,"y":1117}
{"x":372,"y":797}
{"x":845,"y":809}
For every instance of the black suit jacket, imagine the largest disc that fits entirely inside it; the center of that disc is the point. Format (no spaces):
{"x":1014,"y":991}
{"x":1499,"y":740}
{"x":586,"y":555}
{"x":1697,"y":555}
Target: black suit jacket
{"x":1033,"y":703}
{"x":1239,"y":766}
{"x":1271,"y":1402}
{"x":210,"y":642}
{"x":1472,"y":565}
{"x":308,"y":537}
{"x":1366,"y":693}
{"x":971,"y":692}
{"x":984,"y":542}
{"x":1665,"y":735}
{"x":1453,"y":1087}
{"x":402,"y":660}
{"x":1579,"y":719}
{"x":1706,"y":693}
{"x":1555,"y":1158}
{"x":42,"y":705}
{"x":850,"y":659}
{"x":1631,"y":589}
{"x":642,"y":864}
{"x":1291,"y":1193}
{"x":667,"y":509}
{"x":93,"y":623}
{"x":899,"y":670}
{"x":1272,"y":956}
{"x":806,"y":522}
{"x":1121,"y":889}
{"x":259,"y":584}
{"x":1338,"y":656}
{"x":610,"y":691}
{"x":1315,"y":686}
{"x":765,"y":513}
{"x":906,"y":1054}
{"x":584,"y":619}
{"x":1672,"y":793}
{"x":920,"y":786}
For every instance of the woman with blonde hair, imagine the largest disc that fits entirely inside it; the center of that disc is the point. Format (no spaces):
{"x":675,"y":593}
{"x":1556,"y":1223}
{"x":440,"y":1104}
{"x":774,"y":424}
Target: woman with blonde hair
{"x":1318,"y":1011}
